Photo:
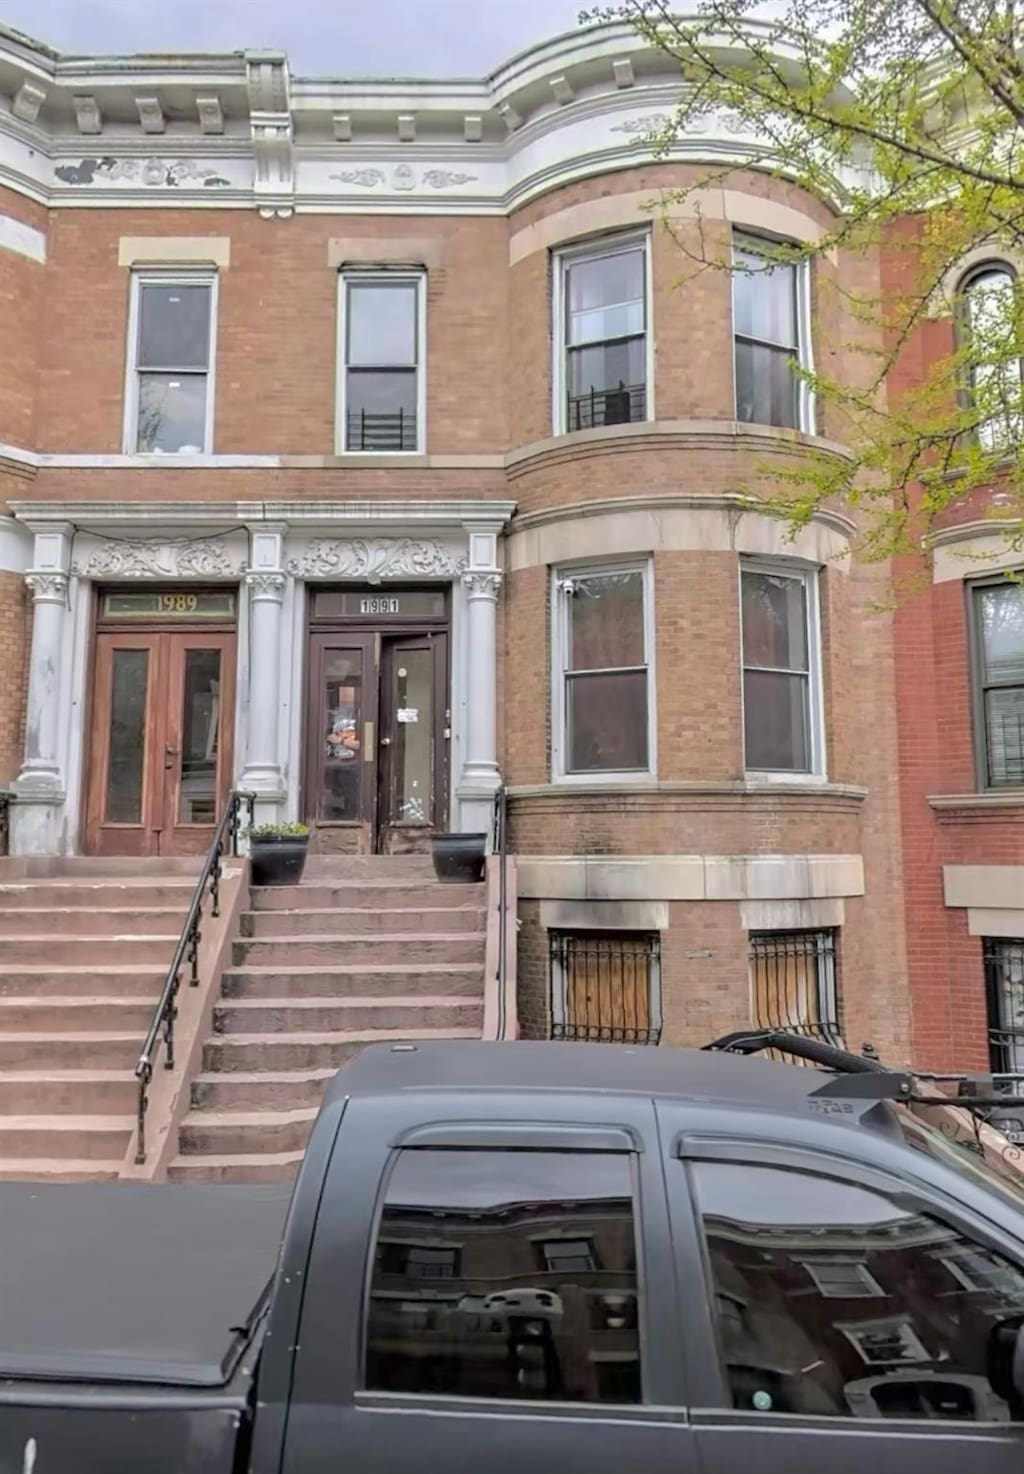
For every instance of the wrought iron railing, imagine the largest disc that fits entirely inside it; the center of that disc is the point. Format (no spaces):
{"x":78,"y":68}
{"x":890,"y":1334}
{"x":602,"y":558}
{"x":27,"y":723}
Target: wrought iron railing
{"x":500,"y":848}
{"x":5,"y":821}
{"x":793,"y":978}
{"x":381,"y":432}
{"x":618,"y":406}
{"x":605,"y":987}
{"x":1004,"y":987}
{"x":186,"y":954}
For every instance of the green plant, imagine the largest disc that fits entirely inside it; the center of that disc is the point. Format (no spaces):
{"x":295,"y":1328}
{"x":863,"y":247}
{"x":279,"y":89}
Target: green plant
{"x":274,"y":831}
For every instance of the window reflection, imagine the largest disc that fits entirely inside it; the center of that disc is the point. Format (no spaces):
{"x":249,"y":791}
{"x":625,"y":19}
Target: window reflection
{"x":506,"y":1275}
{"x":833,"y":1300}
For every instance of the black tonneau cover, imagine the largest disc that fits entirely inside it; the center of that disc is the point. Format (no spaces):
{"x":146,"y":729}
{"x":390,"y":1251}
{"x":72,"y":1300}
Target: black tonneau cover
{"x":133,"y":1283}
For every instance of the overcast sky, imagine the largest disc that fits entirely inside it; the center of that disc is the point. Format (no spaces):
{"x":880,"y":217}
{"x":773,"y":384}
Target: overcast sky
{"x":322,"y":37}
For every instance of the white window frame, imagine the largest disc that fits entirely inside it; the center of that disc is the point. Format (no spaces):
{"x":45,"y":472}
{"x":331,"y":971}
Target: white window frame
{"x":806,"y":404}
{"x":560,"y":576}
{"x":201,"y":277}
{"x":592,"y":250}
{"x":870,"y":1288}
{"x":810,"y":575}
{"x":367,"y":277}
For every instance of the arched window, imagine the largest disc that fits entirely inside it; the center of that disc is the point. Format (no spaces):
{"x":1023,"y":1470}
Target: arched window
{"x":990,"y":332}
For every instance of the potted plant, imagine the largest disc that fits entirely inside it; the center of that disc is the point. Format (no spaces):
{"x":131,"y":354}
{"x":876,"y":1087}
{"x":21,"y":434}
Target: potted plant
{"x":458,"y":858}
{"x":278,"y":853}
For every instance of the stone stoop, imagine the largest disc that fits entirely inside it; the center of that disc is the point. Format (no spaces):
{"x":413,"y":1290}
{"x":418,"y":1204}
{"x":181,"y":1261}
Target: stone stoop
{"x":366,"y":949}
{"x":84,"y":949}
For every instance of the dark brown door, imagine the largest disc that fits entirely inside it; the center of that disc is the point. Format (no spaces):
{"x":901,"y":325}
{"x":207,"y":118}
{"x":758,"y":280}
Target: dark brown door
{"x":161,"y":741}
{"x":377,"y":740}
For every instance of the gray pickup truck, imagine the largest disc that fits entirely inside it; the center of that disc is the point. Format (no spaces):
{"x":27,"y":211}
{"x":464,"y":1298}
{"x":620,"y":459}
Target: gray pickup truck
{"x":565,"y":1259}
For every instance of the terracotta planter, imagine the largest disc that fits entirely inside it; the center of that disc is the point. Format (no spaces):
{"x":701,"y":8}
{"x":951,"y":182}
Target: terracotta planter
{"x":459,"y":858}
{"x":278,"y":859}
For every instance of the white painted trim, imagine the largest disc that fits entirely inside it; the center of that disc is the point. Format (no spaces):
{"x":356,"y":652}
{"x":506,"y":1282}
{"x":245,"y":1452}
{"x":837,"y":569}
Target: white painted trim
{"x":15,"y":546}
{"x":995,"y":922}
{"x":365,"y":276}
{"x":592,"y":250}
{"x":23,"y":240}
{"x":802,"y":877}
{"x":559,"y":665}
{"x":419,"y":514}
{"x":166,"y":277}
{"x":810,"y":578}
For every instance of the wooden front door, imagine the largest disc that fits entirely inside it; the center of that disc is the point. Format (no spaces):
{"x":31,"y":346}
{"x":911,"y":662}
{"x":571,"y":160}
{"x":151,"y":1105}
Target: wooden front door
{"x":161,"y":741}
{"x":377,"y":740}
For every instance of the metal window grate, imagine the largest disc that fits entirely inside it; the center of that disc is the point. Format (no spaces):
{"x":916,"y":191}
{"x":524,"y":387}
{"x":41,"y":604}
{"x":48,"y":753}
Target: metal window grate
{"x":619,"y":406}
{"x":605,"y":987}
{"x":794,"y":983}
{"x":1004,"y":986}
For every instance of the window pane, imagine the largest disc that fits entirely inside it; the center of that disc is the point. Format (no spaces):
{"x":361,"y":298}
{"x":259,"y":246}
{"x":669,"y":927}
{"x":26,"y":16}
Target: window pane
{"x":172,"y":414}
{"x":381,"y":409}
{"x":174,"y":327}
{"x":776,"y":721}
{"x":411,"y":798}
{"x":607,"y":384}
{"x":764,"y":299}
{"x":381,"y":324}
{"x":793,"y":1342}
{"x":774,"y":621}
{"x":126,"y":764}
{"x":342,"y":760}
{"x":506,"y":1275}
{"x":1001,"y":613}
{"x":767,"y":390}
{"x":605,"y":297}
{"x":606,"y":716}
{"x":1004,"y":734}
{"x":200,"y":723}
{"x":606,"y":621}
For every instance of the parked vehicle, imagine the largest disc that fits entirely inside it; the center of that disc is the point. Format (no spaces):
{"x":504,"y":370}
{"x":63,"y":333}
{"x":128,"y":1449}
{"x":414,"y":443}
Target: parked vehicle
{"x":536,"y":1256}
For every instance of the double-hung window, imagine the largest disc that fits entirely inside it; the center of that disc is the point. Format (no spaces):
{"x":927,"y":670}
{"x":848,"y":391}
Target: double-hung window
{"x":771,"y":327}
{"x":781,"y":670}
{"x":603,"y":693}
{"x":999,"y":682}
{"x":382,"y":388}
{"x":601,"y":335}
{"x":170,"y":379}
{"x":990,"y":331}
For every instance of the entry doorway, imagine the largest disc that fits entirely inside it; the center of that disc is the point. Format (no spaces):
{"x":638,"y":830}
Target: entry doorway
{"x":160,"y":752}
{"x":378,"y":731}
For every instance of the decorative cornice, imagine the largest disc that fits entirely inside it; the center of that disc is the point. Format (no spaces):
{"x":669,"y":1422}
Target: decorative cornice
{"x":375,"y":559}
{"x":729,"y":501}
{"x":354,"y":514}
{"x":159,"y":558}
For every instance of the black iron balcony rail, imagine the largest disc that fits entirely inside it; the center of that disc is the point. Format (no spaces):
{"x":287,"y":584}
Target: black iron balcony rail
{"x":619,"y":406}
{"x":381,"y":432}
{"x":186,"y":953}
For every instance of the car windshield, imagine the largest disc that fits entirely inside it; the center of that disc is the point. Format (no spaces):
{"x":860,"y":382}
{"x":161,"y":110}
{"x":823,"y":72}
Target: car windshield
{"x":1002,"y":1174}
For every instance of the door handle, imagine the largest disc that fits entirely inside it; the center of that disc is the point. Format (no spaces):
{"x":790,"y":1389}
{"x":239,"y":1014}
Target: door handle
{"x":385,"y":742}
{"x":170,"y":753}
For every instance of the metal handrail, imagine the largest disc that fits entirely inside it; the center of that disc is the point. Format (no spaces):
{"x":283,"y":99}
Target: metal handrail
{"x":501,"y":850}
{"x":5,"y":820}
{"x":161,"y":1028}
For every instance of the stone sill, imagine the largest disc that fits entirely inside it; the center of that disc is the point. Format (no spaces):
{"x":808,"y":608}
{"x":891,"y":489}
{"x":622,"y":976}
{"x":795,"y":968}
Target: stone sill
{"x":848,"y":792}
{"x":944,"y":803}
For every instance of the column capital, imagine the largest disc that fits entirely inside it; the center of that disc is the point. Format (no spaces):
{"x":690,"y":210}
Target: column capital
{"x":48,"y":587}
{"x":266,"y":586}
{"x":481,"y":585}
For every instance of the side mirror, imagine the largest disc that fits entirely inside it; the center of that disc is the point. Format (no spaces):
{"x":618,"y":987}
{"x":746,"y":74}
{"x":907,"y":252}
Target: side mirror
{"x":1006,"y":1360}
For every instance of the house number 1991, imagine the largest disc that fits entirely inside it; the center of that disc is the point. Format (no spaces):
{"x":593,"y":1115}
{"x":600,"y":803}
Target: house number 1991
{"x":378,"y":606}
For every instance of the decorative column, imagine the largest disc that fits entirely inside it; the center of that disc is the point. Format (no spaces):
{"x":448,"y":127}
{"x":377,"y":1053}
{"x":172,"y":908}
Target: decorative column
{"x":39,"y":788}
{"x":265,"y":581}
{"x":480,"y":776}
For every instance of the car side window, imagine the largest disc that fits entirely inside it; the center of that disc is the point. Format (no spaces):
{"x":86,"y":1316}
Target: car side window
{"x":834,"y":1300}
{"x":506,"y":1274}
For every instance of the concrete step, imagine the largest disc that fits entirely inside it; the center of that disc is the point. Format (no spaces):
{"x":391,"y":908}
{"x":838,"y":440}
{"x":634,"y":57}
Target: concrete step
{"x":261,"y":1090}
{"x":318,"y":1015}
{"x":97,"y":894}
{"x":233,"y":1133}
{"x":70,"y":1051}
{"x":369,"y":948}
{"x":258,"y":1167}
{"x":76,"y":982}
{"x":90,"y":921}
{"x":360,"y":894}
{"x":353,"y":922}
{"x":100,"y":867}
{"x":64,"y":1015}
{"x":59,"y":949}
{"x":345,"y":868}
{"x":361,"y":982}
{"x":78,"y":1138}
{"x":53,"y":1092}
{"x":304,"y":1051}
{"x":59,"y":1169}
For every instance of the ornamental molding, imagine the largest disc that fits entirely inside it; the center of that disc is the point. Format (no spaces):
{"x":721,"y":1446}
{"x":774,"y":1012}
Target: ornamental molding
{"x":375,"y":559}
{"x":159,"y":558}
{"x":266,"y":586}
{"x":482,"y":585}
{"x":154,"y":173}
{"x":403,"y":177}
{"x":47,"y":588}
